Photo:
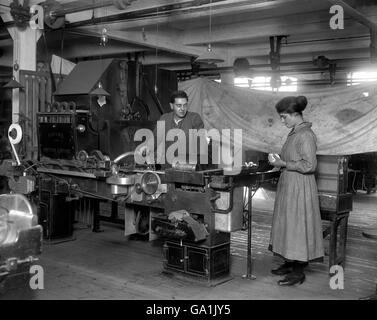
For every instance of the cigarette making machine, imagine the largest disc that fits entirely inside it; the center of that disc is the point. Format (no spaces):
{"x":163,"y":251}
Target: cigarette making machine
{"x":202,"y":208}
{"x":86,"y":160}
{"x":194,"y":211}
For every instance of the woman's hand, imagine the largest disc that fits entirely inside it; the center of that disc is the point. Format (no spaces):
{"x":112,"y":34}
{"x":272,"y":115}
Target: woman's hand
{"x":279,"y":163}
{"x":275,"y":160}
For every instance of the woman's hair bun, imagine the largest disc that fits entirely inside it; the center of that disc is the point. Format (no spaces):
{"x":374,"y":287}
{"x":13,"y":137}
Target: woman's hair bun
{"x":301,"y":103}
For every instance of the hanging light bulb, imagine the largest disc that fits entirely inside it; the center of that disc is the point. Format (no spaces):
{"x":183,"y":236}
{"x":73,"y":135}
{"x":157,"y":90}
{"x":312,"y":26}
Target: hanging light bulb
{"x":156,"y":67}
{"x":14,"y":84}
{"x":104,"y":37}
{"x":209,"y":56}
{"x":100,"y":93}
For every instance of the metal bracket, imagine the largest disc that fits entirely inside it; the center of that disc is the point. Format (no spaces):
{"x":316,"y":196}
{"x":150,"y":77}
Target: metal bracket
{"x":275,"y":51}
{"x":275,"y":60}
{"x":373,"y":45}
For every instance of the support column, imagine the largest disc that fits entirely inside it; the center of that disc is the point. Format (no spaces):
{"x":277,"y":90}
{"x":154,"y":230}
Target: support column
{"x":24,"y":55}
{"x":24,"y":58}
{"x":373,"y":45}
{"x":227,"y":78}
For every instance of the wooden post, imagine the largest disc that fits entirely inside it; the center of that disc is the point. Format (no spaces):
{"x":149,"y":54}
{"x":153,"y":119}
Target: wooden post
{"x":373,"y":45}
{"x":24,"y":58}
{"x":227,"y":78}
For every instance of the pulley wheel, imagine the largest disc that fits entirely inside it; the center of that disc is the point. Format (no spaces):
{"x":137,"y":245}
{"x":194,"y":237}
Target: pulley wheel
{"x":122,"y":4}
{"x":51,"y":21}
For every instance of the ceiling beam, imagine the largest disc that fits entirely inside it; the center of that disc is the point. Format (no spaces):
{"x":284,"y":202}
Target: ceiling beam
{"x":168,"y":42}
{"x":289,"y":25}
{"x":88,"y":50}
{"x":255,"y":10}
{"x":305,"y":48}
{"x":143,"y":13}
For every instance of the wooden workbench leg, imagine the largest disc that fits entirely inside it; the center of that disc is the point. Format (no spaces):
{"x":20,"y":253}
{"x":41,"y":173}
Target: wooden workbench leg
{"x":343,"y":240}
{"x":333,"y":242}
{"x":96,"y":218}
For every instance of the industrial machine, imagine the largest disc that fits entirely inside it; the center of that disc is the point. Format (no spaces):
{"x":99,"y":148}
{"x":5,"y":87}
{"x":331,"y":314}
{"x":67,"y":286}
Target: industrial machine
{"x":20,"y":238}
{"x":193,"y":211}
{"x":86,"y":160}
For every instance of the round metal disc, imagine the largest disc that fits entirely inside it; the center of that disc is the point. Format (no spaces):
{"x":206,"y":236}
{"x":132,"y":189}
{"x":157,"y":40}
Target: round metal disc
{"x":50,"y":20}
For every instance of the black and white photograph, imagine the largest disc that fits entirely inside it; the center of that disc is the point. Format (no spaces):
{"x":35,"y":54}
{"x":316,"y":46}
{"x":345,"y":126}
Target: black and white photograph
{"x":187,"y":157}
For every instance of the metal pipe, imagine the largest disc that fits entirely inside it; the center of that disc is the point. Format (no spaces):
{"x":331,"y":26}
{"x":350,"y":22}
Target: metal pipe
{"x":63,"y":12}
{"x":122,"y":156}
{"x":267,"y":72}
{"x":101,"y":4}
{"x":143,"y":13}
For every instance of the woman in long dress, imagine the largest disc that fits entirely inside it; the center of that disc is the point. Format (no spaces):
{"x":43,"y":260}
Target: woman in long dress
{"x":296,"y":233}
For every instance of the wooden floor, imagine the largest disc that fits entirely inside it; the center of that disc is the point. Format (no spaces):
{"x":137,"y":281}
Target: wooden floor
{"x":107,"y":265}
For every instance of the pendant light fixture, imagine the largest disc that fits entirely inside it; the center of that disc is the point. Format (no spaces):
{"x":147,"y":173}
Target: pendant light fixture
{"x":99,"y":91}
{"x":209,"y":56}
{"x":101,"y":94}
{"x":13,"y":83}
{"x":156,"y":56}
{"x":104,"y":39}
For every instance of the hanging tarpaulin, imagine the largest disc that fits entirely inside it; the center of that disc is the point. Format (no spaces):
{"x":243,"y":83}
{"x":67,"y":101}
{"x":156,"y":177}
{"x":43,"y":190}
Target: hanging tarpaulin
{"x":344,"y":120}
{"x":61,"y":66}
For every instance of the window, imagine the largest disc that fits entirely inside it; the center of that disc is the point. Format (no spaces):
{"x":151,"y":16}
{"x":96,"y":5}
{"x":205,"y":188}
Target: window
{"x":355,"y":78}
{"x":289,"y":84}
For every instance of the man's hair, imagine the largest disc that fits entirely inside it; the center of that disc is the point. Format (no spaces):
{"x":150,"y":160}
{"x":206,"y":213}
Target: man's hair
{"x":178,"y":94}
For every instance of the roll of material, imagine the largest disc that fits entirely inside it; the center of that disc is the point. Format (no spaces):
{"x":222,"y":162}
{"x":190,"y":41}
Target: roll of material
{"x":15,"y":134}
{"x":15,"y":137}
{"x":184,"y":166}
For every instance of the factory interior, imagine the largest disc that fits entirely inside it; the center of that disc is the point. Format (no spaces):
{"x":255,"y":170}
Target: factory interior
{"x":85,"y":214}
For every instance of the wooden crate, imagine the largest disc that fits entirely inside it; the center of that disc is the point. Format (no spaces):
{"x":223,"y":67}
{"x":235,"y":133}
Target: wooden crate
{"x":335,"y":203}
{"x":332,"y":183}
{"x":332,"y":174}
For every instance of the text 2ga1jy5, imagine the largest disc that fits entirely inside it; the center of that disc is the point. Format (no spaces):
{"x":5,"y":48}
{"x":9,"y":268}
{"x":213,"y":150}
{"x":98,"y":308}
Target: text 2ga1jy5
{"x":195,"y":309}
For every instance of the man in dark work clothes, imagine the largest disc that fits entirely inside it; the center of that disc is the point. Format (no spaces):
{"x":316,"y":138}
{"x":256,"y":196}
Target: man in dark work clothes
{"x":184,"y":120}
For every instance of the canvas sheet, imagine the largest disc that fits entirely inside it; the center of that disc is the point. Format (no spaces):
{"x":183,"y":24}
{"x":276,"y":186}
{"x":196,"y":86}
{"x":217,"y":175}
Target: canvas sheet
{"x":344,"y":120}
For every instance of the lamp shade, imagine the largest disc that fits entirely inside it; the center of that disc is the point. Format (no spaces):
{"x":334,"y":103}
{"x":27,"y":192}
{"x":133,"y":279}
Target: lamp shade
{"x":13,"y":84}
{"x":209,"y":56}
{"x":99,"y":91}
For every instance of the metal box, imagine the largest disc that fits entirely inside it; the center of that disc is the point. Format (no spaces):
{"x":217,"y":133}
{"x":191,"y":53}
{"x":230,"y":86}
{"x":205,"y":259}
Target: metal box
{"x":332,"y":174}
{"x":229,"y":210}
{"x":335,"y":203}
{"x":332,"y":183}
{"x":55,"y":215}
{"x":201,"y":261}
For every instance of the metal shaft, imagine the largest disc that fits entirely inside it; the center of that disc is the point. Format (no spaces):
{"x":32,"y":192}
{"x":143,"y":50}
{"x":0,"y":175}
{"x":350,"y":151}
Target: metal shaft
{"x":97,"y":5}
{"x":143,"y":13}
{"x":249,"y":231}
